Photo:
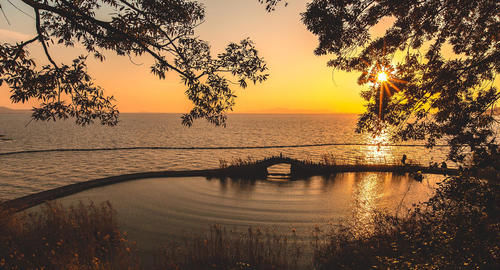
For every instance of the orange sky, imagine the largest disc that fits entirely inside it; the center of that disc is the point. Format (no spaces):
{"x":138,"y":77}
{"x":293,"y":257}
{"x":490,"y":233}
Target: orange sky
{"x":299,"y":81}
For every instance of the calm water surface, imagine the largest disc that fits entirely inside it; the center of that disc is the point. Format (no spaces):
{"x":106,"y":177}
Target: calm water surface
{"x":23,"y":174}
{"x":154,"y":211}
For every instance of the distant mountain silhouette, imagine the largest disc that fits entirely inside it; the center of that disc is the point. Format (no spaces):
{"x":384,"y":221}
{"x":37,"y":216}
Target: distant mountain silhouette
{"x":7,"y":110}
{"x":281,"y":110}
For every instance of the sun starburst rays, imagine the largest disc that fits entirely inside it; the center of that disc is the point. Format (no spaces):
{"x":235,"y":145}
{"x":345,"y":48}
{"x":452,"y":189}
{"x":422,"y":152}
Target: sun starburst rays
{"x":383,"y":78}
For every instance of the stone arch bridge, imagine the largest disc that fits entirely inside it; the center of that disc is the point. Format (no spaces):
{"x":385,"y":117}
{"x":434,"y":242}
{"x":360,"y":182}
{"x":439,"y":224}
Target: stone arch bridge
{"x":259,"y":168}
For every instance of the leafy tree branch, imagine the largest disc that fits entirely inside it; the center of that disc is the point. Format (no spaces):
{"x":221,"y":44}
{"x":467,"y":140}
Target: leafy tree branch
{"x":162,"y":29}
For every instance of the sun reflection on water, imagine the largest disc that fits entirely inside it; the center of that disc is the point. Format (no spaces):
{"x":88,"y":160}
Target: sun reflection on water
{"x":377,"y":152}
{"x":367,"y":198}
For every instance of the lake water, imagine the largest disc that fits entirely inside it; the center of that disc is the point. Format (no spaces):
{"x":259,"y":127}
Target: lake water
{"x":22,"y":174}
{"x":154,"y":211}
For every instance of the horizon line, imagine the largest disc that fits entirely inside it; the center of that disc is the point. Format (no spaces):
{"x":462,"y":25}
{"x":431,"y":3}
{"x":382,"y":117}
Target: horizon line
{"x":229,"y":113}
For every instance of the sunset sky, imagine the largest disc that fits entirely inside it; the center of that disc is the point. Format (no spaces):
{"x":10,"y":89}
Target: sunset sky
{"x":299,"y":81}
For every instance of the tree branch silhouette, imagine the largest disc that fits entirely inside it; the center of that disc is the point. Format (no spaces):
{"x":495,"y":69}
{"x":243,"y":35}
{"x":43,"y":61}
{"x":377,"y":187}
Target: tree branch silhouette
{"x":442,"y":97}
{"x":162,"y":29}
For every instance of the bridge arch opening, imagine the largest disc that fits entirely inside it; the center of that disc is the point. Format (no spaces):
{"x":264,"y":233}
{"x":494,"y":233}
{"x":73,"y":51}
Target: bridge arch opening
{"x":281,"y":169}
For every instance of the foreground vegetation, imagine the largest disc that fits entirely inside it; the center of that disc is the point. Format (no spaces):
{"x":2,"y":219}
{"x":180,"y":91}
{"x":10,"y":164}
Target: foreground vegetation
{"x":457,"y":228}
{"x":223,"y":249}
{"x":87,"y":237}
{"x":58,"y":237}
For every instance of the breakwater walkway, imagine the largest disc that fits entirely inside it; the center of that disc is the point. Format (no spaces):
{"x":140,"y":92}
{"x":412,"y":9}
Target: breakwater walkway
{"x":246,"y":170}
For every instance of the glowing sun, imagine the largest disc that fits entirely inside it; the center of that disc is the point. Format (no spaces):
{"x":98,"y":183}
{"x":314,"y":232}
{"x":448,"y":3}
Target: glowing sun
{"x":382,"y":77}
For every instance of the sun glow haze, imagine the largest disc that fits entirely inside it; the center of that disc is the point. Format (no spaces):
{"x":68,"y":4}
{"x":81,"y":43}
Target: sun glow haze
{"x":299,"y":81}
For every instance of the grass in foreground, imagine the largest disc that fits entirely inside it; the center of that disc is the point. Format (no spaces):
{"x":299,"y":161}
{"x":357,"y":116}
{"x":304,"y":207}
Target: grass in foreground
{"x":78,"y":237}
{"x":87,"y":237}
{"x":222,"y":249}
